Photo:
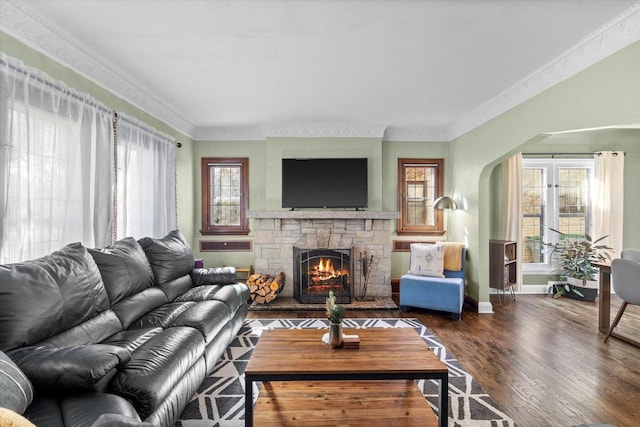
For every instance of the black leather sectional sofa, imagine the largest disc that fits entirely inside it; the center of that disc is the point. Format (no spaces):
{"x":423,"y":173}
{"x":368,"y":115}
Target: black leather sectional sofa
{"x":117,"y":336}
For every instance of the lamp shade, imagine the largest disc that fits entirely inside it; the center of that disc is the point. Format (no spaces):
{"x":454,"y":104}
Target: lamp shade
{"x":444,"y":202}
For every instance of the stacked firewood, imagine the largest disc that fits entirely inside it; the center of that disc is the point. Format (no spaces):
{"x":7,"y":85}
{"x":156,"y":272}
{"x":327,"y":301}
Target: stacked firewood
{"x":264,"y":288}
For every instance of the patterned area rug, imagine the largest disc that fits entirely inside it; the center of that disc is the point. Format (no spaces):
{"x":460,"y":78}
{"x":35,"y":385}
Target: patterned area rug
{"x":219,"y":401}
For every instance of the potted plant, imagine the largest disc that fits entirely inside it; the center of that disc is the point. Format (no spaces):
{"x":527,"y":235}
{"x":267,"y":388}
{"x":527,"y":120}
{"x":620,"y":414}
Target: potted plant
{"x":575,"y":256}
{"x":335,"y":314}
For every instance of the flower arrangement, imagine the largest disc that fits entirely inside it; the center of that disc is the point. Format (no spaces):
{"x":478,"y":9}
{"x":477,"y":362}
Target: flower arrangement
{"x":335,"y":312}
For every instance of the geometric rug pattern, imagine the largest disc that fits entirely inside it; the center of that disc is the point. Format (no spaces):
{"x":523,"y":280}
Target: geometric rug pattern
{"x":219,"y":402}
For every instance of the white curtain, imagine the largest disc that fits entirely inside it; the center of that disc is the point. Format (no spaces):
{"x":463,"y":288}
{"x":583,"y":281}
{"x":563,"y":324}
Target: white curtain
{"x":608,"y":199}
{"x":56,"y":165}
{"x":146,"y":193}
{"x":511,"y":212}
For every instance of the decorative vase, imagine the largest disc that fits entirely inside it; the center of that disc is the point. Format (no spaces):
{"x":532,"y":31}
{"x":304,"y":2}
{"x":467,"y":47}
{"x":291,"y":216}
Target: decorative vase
{"x":335,"y":335}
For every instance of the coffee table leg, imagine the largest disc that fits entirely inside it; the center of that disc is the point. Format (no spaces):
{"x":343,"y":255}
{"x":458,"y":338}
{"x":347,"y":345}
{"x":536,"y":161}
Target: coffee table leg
{"x":443,"y":401}
{"x":248,"y":401}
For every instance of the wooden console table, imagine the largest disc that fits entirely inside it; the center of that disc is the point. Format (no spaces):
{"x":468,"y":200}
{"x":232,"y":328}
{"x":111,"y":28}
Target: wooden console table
{"x":604,"y":305}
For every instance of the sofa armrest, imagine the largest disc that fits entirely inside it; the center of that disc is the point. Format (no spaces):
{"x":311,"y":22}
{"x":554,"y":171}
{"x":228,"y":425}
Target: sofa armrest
{"x":87,"y":367}
{"x":213,"y":276}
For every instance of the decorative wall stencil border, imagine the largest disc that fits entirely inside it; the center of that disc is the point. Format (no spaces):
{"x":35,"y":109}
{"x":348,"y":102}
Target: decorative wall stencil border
{"x":28,"y":27}
{"x":615,"y":35}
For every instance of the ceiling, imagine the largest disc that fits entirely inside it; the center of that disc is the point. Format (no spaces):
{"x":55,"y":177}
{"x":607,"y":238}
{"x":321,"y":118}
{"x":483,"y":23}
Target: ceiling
{"x":427,"y":69}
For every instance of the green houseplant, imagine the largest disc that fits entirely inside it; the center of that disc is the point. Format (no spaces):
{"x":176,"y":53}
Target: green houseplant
{"x":575,"y":257}
{"x":335,"y":314}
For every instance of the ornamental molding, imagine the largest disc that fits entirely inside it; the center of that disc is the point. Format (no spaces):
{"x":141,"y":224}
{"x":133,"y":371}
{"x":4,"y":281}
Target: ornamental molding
{"x":398,"y":133}
{"x":17,"y":20}
{"x":20,"y":22}
{"x":228,"y":133}
{"x":613,"y":36}
{"x":323,"y":130}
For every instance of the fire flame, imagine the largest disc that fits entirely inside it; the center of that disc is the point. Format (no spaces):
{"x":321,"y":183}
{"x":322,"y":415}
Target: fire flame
{"x":324,"y":270}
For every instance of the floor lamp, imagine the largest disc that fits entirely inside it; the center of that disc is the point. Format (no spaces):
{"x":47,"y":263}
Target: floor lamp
{"x":445,"y":202}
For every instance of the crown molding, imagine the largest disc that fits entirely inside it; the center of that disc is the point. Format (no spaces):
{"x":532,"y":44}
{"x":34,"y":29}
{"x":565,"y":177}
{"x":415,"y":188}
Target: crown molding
{"x":28,"y":27}
{"x":228,"y":133}
{"x":615,"y":35}
{"x":399,"y":133}
{"x":36,"y":32}
{"x":324,"y":130}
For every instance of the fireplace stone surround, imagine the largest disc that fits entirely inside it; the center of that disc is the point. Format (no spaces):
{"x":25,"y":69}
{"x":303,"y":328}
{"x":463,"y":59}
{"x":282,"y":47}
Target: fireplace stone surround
{"x":368,"y":232}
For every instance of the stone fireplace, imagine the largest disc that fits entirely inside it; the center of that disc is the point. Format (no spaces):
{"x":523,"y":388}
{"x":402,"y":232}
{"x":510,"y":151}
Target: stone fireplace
{"x":318,"y":271}
{"x":276,"y":233}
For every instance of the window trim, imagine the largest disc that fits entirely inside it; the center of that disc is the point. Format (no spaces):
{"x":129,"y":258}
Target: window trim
{"x":243,"y":228}
{"x":403,"y":228}
{"x":551,"y":212}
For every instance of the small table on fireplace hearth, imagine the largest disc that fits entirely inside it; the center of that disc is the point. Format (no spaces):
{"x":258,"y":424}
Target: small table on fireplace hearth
{"x":384,"y":354}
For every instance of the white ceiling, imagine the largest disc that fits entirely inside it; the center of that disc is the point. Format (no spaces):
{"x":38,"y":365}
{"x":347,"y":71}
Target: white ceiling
{"x":434,"y":68}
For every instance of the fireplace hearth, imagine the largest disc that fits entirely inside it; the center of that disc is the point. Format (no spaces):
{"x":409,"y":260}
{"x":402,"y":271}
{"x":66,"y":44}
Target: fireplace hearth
{"x":318,"y":271}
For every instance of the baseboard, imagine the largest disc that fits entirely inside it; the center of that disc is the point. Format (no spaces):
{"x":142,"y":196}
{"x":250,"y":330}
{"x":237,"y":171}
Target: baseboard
{"x":485,"y":307}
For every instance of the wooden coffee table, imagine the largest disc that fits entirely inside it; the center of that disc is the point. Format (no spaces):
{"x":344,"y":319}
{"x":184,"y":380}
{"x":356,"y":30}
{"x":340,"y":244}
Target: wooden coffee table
{"x":384,"y":354}
{"x":366,"y":403}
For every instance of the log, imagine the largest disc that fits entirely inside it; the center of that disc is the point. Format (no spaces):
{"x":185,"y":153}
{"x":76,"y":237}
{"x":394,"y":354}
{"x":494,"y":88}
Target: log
{"x":265,"y":288}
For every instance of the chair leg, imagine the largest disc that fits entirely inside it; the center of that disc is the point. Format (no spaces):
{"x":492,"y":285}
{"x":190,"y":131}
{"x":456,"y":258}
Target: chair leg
{"x":616,"y":320}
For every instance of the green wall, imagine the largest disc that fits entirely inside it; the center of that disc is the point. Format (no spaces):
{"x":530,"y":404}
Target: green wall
{"x":606,"y":94}
{"x":265,"y":177}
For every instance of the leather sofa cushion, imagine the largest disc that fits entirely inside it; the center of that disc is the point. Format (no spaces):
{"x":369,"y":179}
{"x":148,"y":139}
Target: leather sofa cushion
{"x":84,"y":409}
{"x":176,"y":287}
{"x":162,"y":316}
{"x":93,"y":331}
{"x":52,"y":369}
{"x":124,"y":268}
{"x":200,"y":293}
{"x":132,"y":339}
{"x":213,"y":276}
{"x":233,"y":295}
{"x":208,"y":317}
{"x":157,"y":366}
{"x":170,"y":257}
{"x":48,"y":295}
{"x":16,"y":391}
{"x":134,"y":307}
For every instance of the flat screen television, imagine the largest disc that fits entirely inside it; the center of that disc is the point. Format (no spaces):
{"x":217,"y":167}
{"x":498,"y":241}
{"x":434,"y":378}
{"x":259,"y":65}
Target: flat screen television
{"x":324,"y":183}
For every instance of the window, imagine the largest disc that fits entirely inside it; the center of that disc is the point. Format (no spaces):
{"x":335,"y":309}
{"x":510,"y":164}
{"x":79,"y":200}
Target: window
{"x":55,"y":164}
{"x":556,"y":194}
{"x":146,"y":178}
{"x":420,"y":182}
{"x":225,"y":196}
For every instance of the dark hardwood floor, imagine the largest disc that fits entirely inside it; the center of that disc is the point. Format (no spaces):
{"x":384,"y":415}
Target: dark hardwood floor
{"x":541,"y":360}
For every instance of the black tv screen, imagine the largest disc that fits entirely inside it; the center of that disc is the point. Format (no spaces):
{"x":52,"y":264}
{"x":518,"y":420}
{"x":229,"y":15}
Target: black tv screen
{"x":324,"y":183}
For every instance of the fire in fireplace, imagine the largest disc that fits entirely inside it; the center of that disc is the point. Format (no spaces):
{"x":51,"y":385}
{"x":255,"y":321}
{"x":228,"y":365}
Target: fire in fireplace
{"x":318,"y":271}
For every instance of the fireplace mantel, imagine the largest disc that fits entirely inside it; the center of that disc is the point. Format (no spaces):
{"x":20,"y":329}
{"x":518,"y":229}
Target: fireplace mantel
{"x":276,"y":232}
{"x":323,"y":214}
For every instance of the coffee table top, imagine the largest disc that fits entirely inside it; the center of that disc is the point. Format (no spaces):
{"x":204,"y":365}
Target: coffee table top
{"x":395,"y":352}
